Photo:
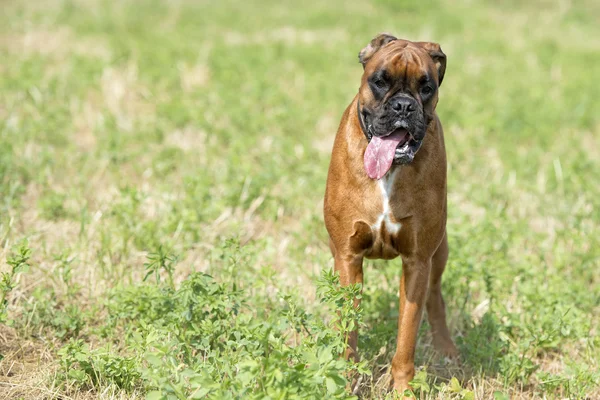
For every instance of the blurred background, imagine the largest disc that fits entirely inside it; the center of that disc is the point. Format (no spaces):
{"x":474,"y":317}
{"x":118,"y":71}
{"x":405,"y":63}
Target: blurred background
{"x":144,"y":141}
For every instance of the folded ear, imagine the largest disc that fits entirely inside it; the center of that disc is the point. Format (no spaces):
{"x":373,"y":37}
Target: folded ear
{"x":378,"y":42}
{"x":438,"y":57}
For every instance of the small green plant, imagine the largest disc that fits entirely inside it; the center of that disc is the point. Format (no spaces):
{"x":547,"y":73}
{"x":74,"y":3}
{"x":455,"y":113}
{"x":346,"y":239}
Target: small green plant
{"x":45,"y":311}
{"x":65,"y":272}
{"x":90,"y":368}
{"x":425,"y":385}
{"x":159,"y":261}
{"x":17,"y":262}
{"x":52,"y":205}
{"x":341,"y":298}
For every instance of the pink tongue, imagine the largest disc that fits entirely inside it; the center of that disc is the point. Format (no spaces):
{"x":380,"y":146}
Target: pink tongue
{"x":380,"y":153}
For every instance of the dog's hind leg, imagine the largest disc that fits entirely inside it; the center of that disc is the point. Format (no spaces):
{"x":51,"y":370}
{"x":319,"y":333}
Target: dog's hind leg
{"x":436,"y":308}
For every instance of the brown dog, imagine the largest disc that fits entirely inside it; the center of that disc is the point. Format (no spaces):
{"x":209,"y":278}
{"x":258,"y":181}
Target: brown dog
{"x":386,"y":189}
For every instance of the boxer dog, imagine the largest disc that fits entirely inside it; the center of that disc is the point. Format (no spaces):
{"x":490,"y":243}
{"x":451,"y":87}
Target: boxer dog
{"x":386,"y":188}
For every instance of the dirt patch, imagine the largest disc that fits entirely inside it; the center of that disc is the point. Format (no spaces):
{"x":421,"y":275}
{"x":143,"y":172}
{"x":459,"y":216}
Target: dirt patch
{"x":24,"y":367}
{"x":193,"y":76}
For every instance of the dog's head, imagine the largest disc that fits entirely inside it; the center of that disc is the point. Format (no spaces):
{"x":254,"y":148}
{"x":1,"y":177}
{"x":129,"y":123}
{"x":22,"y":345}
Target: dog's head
{"x":399,"y":91}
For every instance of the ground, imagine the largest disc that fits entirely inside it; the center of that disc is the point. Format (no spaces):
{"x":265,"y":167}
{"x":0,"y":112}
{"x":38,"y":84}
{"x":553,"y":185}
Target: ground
{"x":162,"y":170}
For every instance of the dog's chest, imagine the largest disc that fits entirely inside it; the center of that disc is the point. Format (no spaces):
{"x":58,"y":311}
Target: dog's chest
{"x":386,"y":223}
{"x":385,"y":229}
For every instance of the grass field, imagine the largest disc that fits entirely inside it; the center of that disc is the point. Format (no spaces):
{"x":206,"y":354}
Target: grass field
{"x":162,"y":170}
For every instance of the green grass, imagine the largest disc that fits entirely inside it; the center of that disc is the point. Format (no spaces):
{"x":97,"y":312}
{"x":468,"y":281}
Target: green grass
{"x":162,"y":169}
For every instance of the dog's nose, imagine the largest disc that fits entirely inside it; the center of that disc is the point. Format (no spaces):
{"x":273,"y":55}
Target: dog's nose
{"x":402,"y":105}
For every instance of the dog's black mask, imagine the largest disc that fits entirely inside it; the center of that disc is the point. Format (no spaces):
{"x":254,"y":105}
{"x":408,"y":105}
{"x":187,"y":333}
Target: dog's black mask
{"x":403,"y":79}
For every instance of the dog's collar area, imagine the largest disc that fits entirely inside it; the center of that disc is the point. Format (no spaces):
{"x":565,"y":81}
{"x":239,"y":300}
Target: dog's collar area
{"x":362,"y":122}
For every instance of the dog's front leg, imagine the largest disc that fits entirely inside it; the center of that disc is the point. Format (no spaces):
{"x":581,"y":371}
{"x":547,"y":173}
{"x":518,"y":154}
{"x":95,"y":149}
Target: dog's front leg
{"x":350,"y":270}
{"x":413,"y":294}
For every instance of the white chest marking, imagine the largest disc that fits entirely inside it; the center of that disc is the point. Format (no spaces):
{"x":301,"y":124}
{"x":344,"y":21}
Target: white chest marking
{"x":385,"y":185}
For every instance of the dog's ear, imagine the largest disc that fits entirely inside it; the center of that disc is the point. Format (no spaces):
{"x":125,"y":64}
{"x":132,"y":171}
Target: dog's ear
{"x":378,"y":42}
{"x":438,"y":57}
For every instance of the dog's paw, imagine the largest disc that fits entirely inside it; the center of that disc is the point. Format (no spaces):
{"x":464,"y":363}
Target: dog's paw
{"x":403,"y":391}
{"x":446,"y":348}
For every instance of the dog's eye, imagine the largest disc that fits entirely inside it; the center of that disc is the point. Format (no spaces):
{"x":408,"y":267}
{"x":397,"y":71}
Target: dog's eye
{"x":380,"y":83}
{"x":427,"y":90}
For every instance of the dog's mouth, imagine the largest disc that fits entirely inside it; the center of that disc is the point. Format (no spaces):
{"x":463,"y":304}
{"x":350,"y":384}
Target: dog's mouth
{"x":403,"y":135}
{"x":398,"y":147}
{"x":405,"y":152}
